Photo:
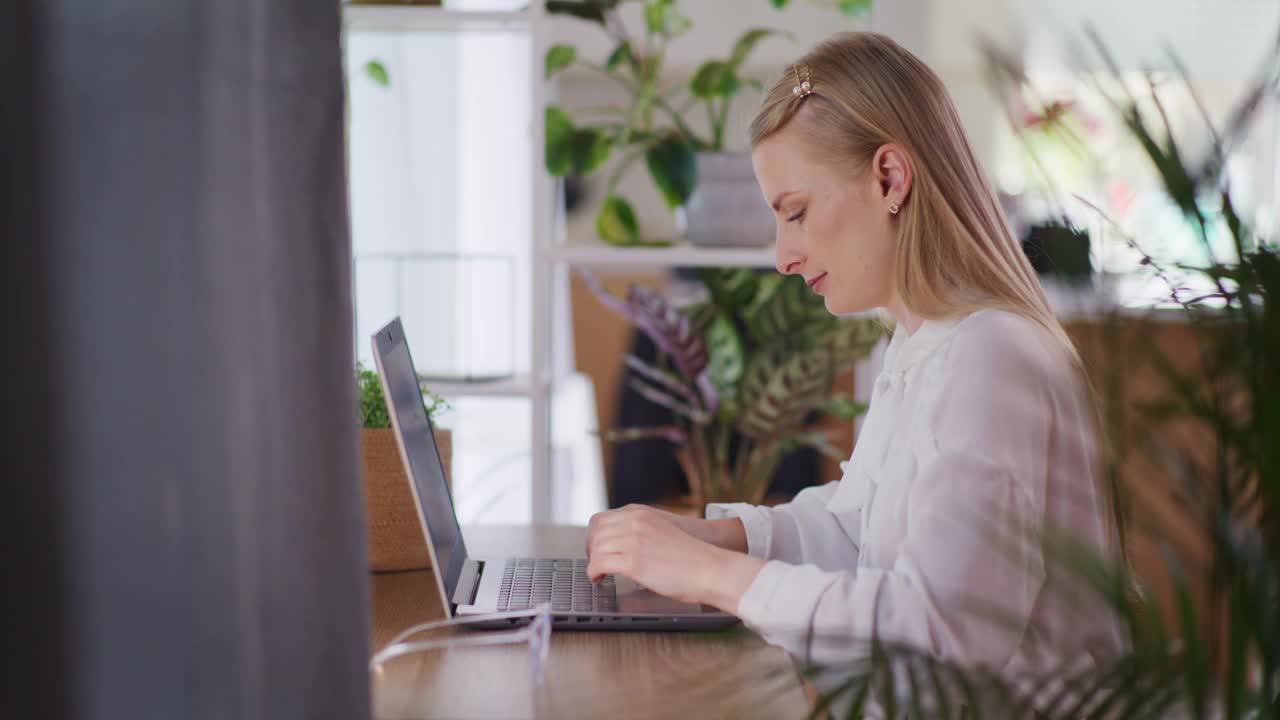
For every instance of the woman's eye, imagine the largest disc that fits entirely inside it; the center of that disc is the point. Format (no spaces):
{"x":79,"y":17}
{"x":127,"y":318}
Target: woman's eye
{"x":797,"y":216}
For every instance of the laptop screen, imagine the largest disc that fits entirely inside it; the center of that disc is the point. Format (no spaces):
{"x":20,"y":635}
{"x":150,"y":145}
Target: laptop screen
{"x":404,"y":399}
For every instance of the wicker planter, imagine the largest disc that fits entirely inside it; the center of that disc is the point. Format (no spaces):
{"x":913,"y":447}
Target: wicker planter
{"x":395,"y":533}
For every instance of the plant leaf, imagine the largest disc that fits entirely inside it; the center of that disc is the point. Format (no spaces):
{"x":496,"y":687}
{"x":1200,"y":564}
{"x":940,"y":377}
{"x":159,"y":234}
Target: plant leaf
{"x":620,"y":54}
{"x":725,"y":359}
{"x":816,"y":440}
{"x":845,"y":408}
{"x":672,"y":434}
{"x":377,"y":72}
{"x":616,"y":223}
{"x":715,"y":78}
{"x":591,"y":148}
{"x":671,"y":164}
{"x":661,"y":377}
{"x":559,"y":141}
{"x":746,"y":43}
{"x":856,"y":8}
{"x":662,"y":17}
{"x":796,"y":387}
{"x":784,"y":306}
{"x":731,"y":289}
{"x":570,"y":149}
{"x":850,"y":340}
{"x":560,"y":57}
{"x":590,"y":10}
{"x":667,"y":327}
{"x":655,"y":16}
{"x":667,"y":400}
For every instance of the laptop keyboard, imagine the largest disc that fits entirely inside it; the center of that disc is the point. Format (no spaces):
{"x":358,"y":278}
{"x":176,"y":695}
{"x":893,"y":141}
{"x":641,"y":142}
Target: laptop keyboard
{"x":563,"y":583}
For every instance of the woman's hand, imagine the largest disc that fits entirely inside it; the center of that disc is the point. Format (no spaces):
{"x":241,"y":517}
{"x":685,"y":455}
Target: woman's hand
{"x":650,"y":547}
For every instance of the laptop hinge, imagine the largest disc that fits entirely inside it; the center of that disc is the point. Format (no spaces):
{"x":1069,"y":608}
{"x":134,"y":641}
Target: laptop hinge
{"x":468,"y":583}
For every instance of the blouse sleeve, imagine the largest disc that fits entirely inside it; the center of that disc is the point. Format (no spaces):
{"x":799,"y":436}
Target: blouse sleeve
{"x":800,"y":531}
{"x":967,"y":557}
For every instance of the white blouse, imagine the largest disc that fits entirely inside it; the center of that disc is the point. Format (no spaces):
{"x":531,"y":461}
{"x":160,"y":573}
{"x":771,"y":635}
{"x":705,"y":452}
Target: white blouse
{"x":978,"y":435}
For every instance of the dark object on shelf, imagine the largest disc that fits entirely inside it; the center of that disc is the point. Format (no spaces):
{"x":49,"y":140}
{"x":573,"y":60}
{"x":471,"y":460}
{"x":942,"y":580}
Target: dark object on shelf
{"x":1060,"y":252}
{"x":575,"y":190}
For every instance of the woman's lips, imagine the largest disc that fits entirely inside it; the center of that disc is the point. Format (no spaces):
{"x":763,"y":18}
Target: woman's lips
{"x":816,"y":283}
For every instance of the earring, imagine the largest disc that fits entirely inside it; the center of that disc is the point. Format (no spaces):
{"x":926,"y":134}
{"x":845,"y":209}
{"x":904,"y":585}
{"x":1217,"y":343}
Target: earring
{"x":893,"y":208}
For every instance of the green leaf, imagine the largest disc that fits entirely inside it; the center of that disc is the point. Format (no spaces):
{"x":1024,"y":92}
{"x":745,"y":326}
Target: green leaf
{"x":671,"y":163}
{"x":856,"y":8}
{"x":559,"y":141}
{"x":851,"y":340}
{"x":845,"y":408}
{"x":732,"y":289}
{"x":726,"y":357}
{"x":590,"y":10}
{"x":794,"y":388}
{"x":616,"y":223}
{"x":661,"y":17}
{"x":620,"y":54}
{"x":745,"y":44}
{"x":784,"y":307}
{"x":677,"y":24}
{"x":779,"y":4}
{"x":373,"y":407}
{"x":715,"y":78}
{"x":560,"y":57}
{"x":591,"y":148}
{"x":655,"y":15}
{"x":570,"y":149}
{"x":815,"y":440}
{"x":377,"y":72}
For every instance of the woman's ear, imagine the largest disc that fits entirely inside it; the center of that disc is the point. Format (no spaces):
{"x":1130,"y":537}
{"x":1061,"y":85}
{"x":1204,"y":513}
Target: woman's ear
{"x":893,"y":173}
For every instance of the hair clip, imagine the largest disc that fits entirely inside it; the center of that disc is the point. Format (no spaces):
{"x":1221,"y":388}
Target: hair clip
{"x":803,"y":87}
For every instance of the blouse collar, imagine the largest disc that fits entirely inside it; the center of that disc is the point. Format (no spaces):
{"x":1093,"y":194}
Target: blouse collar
{"x":906,"y":349}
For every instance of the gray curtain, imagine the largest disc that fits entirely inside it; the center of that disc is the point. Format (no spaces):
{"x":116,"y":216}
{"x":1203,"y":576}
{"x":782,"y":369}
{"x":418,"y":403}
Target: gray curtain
{"x":182,"y":499}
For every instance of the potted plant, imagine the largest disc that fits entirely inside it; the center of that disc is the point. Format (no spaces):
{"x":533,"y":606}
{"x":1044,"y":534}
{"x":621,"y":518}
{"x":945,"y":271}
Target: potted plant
{"x":747,"y":373}
{"x":395,"y":533}
{"x":700,"y":179}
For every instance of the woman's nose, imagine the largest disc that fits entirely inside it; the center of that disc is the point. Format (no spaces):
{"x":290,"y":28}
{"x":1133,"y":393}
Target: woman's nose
{"x":789,"y":262}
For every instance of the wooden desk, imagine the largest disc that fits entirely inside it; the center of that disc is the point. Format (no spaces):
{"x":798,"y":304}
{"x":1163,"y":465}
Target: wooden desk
{"x":611,"y":675}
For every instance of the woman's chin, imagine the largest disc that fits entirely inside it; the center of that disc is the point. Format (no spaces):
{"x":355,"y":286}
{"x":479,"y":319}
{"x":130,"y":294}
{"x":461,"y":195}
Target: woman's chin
{"x":838,"y":306}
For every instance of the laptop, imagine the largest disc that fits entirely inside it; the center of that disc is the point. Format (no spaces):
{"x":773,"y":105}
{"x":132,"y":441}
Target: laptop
{"x":469,"y":586}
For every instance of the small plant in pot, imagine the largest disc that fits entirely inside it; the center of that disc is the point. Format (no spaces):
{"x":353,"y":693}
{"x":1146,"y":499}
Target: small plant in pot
{"x":395,"y":534}
{"x":711,"y":190}
{"x":747,"y":373}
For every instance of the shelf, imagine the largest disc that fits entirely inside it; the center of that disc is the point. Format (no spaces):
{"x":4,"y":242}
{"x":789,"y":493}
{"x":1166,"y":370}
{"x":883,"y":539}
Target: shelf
{"x":518,"y":386}
{"x":399,"y":18}
{"x":676,"y":256}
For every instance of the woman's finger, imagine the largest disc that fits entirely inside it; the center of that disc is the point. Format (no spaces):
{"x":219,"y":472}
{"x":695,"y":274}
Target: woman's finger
{"x":603,"y":564}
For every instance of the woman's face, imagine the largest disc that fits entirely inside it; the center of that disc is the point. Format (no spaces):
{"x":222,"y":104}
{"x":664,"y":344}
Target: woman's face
{"x":833,"y":228}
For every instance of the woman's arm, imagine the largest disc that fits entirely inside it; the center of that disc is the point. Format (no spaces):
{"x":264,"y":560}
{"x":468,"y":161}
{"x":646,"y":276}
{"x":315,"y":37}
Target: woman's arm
{"x":727,"y":533}
{"x":800,"y":531}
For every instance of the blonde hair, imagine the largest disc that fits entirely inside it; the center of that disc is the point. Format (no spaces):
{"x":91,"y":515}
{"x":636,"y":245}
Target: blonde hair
{"x":955,"y":251}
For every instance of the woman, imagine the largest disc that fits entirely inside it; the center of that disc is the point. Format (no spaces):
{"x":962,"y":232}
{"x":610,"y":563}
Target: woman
{"x":980,"y":431}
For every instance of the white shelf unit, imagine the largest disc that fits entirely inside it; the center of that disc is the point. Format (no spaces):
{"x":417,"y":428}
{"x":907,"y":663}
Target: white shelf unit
{"x":518,"y":386}
{"x":674,"y":256}
{"x":402,"y":18}
{"x":551,"y":257}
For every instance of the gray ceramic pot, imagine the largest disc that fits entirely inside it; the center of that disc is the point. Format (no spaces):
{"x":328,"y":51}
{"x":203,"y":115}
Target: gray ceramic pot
{"x":726,"y":208}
